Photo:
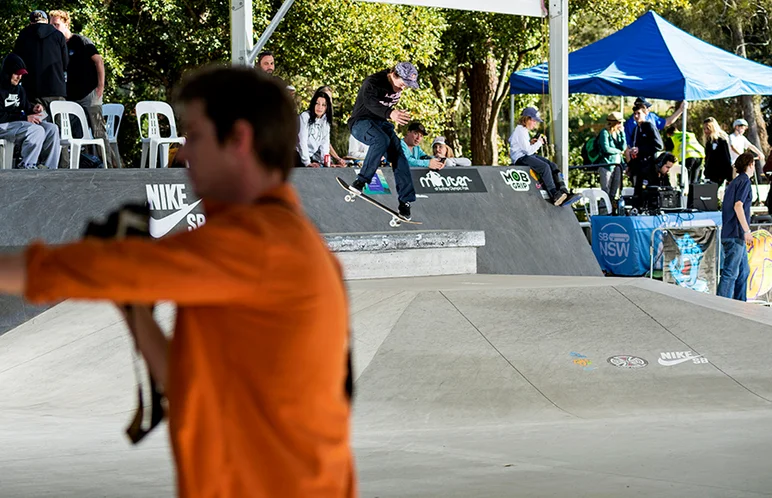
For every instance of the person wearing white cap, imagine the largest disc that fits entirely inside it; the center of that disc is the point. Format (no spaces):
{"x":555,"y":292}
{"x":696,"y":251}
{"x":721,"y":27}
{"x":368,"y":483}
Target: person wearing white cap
{"x":738,"y":143}
{"x":522,"y":151}
{"x":441,"y":150}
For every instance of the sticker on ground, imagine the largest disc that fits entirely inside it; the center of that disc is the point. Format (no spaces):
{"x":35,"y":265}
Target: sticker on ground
{"x":627,"y":361}
{"x":582,"y":361}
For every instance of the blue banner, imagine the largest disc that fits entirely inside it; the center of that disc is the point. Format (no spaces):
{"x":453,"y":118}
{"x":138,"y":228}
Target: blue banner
{"x":621,"y":243}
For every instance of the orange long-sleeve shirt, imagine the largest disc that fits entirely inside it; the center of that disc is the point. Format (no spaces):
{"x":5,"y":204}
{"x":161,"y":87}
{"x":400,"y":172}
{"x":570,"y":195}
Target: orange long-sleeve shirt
{"x":257,"y":364}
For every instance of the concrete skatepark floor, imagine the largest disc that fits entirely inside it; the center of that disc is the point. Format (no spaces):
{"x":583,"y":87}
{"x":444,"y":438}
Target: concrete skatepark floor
{"x":467,"y":386}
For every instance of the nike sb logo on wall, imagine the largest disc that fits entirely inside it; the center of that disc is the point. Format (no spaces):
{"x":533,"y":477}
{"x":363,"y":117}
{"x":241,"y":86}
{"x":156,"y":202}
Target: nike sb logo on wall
{"x":171,"y":197}
{"x":670,"y":359}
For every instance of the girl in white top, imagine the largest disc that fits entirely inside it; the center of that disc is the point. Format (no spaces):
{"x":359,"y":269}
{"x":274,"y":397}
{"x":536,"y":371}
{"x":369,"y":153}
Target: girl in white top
{"x":314,"y":132}
{"x":522,"y":151}
{"x":739,"y":144}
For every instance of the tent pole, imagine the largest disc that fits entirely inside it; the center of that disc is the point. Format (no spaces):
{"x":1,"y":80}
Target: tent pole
{"x":558,"y":80}
{"x":511,"y":114}
{"x":241,"y":31}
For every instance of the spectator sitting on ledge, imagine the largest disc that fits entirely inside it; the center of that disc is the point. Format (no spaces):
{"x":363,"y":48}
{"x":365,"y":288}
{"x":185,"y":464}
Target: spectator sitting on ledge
{"x":416,"y":157}
{"x":441,"y":150}
{"x":522,"y":151}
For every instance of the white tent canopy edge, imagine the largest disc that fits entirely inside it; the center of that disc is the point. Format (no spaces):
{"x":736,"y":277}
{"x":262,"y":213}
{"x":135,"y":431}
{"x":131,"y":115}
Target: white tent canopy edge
{"x":244,"y":53}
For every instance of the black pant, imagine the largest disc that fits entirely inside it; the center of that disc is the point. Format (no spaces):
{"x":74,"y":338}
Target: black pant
{"x":548,"y":172}
{"x":694,"y":167}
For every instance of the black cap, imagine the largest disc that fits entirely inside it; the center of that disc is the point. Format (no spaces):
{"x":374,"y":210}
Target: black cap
{"x":416,"y":126}
{"x":37,"y":15}
{"x":642,"y":101}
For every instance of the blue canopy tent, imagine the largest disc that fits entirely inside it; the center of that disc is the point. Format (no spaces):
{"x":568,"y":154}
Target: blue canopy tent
{"x":652,"y":58}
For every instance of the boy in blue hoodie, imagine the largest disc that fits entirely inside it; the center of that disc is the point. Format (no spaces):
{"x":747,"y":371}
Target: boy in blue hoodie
{"x":20,"y":122}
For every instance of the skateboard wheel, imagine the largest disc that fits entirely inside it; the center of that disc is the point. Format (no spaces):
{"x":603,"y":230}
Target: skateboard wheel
{"x":349,"y":198}
{"x":394,"y":223}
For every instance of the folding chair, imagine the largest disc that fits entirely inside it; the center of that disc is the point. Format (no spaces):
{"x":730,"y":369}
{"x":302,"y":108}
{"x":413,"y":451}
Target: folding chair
{"x":154,"y":141}
{"x":65,"y":109}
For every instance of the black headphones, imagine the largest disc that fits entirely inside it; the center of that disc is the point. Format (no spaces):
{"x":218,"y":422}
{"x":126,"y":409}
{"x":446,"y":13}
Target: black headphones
{"x":663,"y":158}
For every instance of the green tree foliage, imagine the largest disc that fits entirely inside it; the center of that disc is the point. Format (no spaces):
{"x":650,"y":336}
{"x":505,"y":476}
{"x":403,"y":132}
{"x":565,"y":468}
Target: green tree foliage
{"x":464,"y":58}
{"x":339,"y":43}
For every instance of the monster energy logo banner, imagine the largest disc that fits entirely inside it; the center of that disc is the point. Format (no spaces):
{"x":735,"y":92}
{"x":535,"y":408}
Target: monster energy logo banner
{"x":689,"y":257}
{"x":447,"y":181}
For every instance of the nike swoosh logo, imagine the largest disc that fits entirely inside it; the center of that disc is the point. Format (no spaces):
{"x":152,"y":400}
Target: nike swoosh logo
{"x":670,"y":363}
{"x":161,"y":226}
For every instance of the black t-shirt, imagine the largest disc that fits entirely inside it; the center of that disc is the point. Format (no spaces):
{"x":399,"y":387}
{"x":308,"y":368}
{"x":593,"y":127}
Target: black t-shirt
{"x":376,"y":99}
{"x":81,"y":73}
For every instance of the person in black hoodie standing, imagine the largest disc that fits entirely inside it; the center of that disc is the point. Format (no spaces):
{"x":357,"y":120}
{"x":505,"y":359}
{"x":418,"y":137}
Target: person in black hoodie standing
{"x":369,"y":123}
{"x":21,"y":122}
{"x":44,"y":51}
{"x":645,"y":144}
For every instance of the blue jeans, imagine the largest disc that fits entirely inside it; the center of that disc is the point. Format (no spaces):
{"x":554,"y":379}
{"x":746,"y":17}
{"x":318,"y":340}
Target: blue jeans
{"x":734,"y":269}
{"x":380,"y":136}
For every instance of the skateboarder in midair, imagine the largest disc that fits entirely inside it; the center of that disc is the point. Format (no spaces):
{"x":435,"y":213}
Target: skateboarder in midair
{"x":369,"y":123}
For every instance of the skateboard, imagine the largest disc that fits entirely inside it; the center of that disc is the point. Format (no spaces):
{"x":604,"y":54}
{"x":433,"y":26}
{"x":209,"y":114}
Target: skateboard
{"x":571,"y":200}
{"x":396,"y":218}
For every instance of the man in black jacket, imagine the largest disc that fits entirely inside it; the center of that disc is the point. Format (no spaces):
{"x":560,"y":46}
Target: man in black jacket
{"x":44,"y":51}
{"x":21,"y":122}
{"x":645,"y":144}
{"x":369,"y":123}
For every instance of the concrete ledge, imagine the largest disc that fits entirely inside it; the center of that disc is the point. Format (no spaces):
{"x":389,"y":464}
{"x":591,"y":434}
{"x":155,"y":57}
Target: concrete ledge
{"x":407,"y":254}
{"x":379,"y":241}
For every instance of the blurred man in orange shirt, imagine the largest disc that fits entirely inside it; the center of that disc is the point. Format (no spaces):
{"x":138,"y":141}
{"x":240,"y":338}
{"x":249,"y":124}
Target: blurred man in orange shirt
{"x":256,"y":371}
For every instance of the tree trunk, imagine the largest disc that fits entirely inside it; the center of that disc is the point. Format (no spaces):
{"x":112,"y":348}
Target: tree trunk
{"x":751,"y":105}
{"x":483,"y":81}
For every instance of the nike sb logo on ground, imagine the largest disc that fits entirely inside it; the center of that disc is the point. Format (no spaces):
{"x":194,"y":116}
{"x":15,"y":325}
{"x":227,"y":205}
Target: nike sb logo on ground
{"x":171,"y":197}
{"x":674,"y":358}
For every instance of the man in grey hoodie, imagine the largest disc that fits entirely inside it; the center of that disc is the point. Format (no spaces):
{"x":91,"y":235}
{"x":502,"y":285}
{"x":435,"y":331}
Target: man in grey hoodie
{"x":44,"y":51}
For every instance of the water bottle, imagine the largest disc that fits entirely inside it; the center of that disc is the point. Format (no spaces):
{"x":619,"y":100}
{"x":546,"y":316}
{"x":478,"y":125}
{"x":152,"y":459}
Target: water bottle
{"x":621,"y":206}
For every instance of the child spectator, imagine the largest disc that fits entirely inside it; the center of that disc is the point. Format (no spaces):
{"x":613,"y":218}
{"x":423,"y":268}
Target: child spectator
{"x":416,"y":157}
{"x":441,"y":150}
{"x":522,"y":151}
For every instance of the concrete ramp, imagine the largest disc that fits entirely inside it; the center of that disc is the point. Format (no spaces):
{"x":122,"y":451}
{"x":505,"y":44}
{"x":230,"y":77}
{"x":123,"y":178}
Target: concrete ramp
{"x":67,"y":393}
{"x":467,"y":386}
{"x":502,"y":386}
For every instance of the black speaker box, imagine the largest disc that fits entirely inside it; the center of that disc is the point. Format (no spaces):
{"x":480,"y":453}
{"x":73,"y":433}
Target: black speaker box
{"x":703,"y":197}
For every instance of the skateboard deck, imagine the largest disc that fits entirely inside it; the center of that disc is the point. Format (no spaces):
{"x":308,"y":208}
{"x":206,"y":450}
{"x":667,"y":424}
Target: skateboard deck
{"x":571,"y":200}
{"x":396,"y":218}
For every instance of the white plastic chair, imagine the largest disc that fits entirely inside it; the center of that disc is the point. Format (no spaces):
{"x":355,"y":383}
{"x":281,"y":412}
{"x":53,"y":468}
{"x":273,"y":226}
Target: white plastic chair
{"x":594,"y":196}
{"x":63,"y":110}
{"x":6,"y":154}
{"x":113,"y":114}
{"x":153,"y":141}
